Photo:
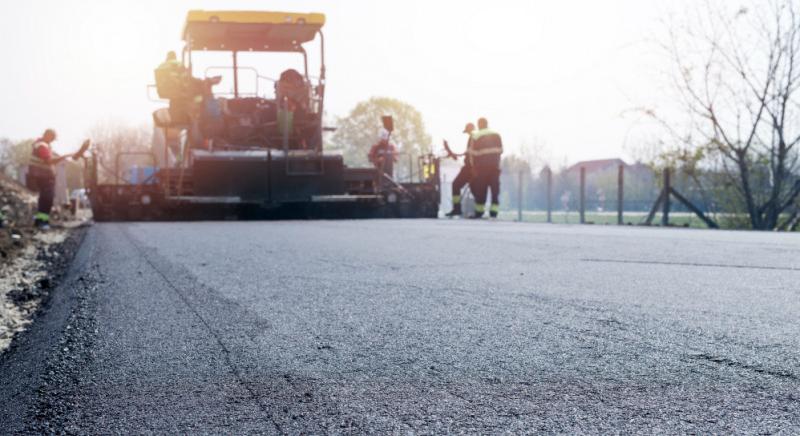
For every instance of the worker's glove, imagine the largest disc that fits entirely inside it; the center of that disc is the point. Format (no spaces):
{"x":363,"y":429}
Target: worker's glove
{"x":450,"y":153}
{"x":85,"y":146}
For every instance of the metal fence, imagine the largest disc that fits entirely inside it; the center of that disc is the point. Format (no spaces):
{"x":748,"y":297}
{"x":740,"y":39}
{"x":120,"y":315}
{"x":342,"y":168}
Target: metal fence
{"x":622,"y":194}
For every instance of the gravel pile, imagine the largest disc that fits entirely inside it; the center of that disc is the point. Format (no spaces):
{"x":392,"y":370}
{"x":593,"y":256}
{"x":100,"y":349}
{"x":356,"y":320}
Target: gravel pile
{"x":25,"y":279}
{"x":17,"y":205}
{"x":27,"y":259}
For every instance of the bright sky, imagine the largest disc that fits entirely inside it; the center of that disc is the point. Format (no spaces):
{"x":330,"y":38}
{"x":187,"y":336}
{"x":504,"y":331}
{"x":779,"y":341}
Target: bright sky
{"x":560,"y":73}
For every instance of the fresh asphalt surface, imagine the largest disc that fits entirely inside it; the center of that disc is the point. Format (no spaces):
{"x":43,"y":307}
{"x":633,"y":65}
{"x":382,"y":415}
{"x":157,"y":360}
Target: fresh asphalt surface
{"x":416,"y":326}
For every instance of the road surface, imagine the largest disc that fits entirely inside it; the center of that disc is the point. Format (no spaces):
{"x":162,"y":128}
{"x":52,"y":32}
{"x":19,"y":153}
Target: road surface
{"x":417,"y":326}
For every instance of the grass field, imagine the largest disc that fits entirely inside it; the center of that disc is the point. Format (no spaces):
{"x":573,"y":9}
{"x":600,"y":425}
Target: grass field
{"x":676,"y":219}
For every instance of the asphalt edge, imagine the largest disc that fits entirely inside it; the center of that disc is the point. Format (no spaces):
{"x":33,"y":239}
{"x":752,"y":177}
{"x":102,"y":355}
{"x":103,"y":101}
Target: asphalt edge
{"x":24,"y":364}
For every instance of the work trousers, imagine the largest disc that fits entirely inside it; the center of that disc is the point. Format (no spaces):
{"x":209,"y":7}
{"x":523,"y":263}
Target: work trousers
{"x":179,"y":110}
{"x":486,"y":179}
{"x":45,"y":184}
{"x":388,"y":166}
{"x":461,"y":180}
{"x":385,"y":166}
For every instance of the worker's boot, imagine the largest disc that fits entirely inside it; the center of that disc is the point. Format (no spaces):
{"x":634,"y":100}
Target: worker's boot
{"x":455,"y":212}
{"x":494,"y":210}
{"x":41,"y":224}
{"x":476,"y":215}
{"x":41,"y":221}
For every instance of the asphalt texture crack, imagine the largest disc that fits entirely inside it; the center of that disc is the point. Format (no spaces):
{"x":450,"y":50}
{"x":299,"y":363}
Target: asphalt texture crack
{"x":423,"y":326}
{"x":697,"y":264}
{"x":211,"y":331}
{"x":734,"y":364}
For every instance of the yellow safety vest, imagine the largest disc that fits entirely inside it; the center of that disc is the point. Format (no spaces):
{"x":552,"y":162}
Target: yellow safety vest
{"x":170,"y":77}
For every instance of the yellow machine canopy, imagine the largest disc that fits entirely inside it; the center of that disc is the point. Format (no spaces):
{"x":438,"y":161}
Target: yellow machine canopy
{"x":250,"y":30}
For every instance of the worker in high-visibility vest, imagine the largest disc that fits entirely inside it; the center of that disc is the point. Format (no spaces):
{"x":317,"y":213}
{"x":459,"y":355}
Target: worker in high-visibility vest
{"x":172,"y":82}
{"x":171,"y":77}
{"x":486,"y":151}
{"x":42,"y":176}
{"x":464,"y":175}
{"x":185,"y":93}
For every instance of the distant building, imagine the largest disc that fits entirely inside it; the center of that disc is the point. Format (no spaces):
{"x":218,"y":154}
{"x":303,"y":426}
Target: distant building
{"x":638,"y":169}
{"x":596,"y":165}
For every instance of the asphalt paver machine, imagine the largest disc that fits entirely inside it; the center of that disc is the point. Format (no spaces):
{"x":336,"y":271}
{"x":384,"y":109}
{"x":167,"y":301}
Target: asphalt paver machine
{"x":251,"y":152}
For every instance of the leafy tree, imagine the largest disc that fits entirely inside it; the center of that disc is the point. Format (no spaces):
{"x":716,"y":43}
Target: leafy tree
{"x":358,"y":131}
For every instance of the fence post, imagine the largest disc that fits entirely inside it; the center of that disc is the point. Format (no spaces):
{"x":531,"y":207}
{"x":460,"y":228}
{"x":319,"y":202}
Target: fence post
{"x":582,"y":203}
{"x":620,"y":193}
{"x":549,"y":195}
{"x":666,"y":205}
{"x":519,"y":196}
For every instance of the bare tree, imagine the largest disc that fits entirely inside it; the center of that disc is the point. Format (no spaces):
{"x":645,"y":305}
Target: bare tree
{"x":738,"y":72}
{"x":112,"y":138}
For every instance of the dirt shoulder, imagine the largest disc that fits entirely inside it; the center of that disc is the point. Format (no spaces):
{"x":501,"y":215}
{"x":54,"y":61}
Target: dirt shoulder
{"x":29,"y":276}
{"x":27,"y":363}
{"x":31,"y":260}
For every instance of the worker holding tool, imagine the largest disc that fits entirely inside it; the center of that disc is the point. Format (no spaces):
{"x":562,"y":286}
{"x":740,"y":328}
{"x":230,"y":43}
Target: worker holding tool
{"x":42,"y":176}
{"x":464,"y":175}
{"x":487,"y":148}
{"x":383,"y":154}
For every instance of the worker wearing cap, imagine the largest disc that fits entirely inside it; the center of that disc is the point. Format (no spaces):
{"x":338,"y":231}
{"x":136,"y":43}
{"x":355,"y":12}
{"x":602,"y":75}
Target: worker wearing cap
{"x":464,"y":175}
{"x":42,"y":176}
{"x":487,"y":148}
